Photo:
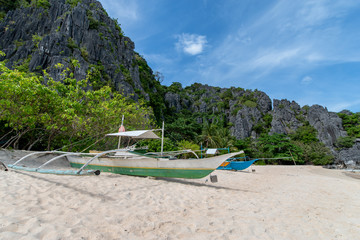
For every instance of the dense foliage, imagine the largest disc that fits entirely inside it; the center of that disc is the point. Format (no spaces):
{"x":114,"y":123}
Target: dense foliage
{"x":351,"y":123}
{"x":39,"y":113}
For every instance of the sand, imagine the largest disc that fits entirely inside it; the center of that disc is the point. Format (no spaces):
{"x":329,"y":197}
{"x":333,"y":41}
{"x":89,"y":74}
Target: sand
{"x":274,"y":202}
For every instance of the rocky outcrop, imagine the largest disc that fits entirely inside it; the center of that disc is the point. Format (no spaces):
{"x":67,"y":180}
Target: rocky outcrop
{"x":349,"y":158}
{"x":244,"y":110}
{"x":286,"y":117}
{"x":328,"y":124}
{"x":174,"y":101}
{"x":38,"y":38}
{"x":244,"y":121}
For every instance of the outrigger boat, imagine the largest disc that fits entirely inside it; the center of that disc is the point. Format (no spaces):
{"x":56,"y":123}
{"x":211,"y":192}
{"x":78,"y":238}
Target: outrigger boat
{"x":164,"y":164}
{"x":128,"y":161}
{"x":235,"y":165}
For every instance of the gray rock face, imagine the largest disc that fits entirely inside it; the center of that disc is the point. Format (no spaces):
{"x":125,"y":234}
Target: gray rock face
{"x":328,"y":124}
{"x":173,"y":100}
{"x":285,"y":117}
{"x":350,"y":157}
{"x":244,"y":121}
{"x":61,"y":34}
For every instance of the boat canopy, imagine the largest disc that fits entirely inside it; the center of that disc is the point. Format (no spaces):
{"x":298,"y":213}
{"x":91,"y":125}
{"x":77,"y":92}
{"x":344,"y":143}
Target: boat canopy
{"x":139,"y":134}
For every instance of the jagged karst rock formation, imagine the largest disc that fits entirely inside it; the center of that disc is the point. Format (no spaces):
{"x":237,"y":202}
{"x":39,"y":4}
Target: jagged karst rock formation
{"x":327,"y":124}
{"x":286,"y":116}
{"x":41,"y":37}
{"x":245,"y":110}
{"x":36,"y":38}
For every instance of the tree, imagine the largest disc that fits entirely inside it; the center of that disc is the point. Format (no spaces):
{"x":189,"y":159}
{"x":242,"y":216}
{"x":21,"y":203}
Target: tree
{"x":279,"y":146}
{"x":306,"y":134}
{"x":60,"y":113}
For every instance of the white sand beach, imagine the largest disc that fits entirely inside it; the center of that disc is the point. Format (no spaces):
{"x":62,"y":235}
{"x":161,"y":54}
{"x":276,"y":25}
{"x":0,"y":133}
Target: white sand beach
{"x":274,"y":202}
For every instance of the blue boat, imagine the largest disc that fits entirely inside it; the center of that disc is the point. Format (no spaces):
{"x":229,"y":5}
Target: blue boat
{"x":233,"y":164}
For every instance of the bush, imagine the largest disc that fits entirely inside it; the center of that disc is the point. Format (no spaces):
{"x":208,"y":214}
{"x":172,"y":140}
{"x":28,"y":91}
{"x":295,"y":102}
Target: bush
{"x":306,"y":134}
{"x":73,"y":3}
{"x":315,"y":153}
{"x":41,"y":3}
{"x":345,"y":142}
{"x":36,"y":39}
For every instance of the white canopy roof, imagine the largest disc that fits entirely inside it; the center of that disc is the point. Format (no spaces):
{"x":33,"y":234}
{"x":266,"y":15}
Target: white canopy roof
{"x":139,"y":134}
{"x":212,"y":151}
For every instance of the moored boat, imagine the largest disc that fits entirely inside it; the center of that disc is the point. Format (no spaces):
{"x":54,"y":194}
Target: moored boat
{"x":233,"y":164}
{"x":132,"y":163}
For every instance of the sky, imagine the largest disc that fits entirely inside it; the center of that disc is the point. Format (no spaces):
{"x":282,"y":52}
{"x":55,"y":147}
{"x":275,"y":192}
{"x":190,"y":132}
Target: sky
{"x":307,"y":51}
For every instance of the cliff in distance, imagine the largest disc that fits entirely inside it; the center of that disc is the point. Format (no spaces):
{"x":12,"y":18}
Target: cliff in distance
{"x":38,"y":35}
{"x":79,"y":35}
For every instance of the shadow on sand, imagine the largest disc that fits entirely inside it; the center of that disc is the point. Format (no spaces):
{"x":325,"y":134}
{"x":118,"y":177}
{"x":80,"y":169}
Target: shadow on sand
{"x":82,"y":191}
{"x":197,"y":184}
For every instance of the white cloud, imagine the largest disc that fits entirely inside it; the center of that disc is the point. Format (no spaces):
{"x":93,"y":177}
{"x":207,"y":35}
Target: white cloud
{"x":124,"y":10}
{"x":275,"y":58}
{"x":297,"y":35}
{"x":306,"y":80}
{"x":192,"y":44}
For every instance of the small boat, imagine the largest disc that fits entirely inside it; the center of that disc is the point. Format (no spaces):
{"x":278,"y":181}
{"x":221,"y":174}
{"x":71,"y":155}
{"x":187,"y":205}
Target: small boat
{"x":233,"y":164}
{"x":128,"y":161}
{"x":137,"y":164}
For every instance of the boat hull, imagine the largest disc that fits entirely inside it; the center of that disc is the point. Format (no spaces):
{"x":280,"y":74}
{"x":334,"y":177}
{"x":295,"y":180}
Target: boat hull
{"x":236,"y":165}
{"x":154,"y":172}
{"x":155,"y":167}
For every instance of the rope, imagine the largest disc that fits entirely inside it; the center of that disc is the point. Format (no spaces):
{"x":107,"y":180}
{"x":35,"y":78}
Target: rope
{"x":82,"y":140}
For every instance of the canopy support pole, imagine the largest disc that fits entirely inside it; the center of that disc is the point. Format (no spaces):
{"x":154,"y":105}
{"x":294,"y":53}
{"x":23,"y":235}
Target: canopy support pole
{"x":162,"y":138}
{"x":122,"y":124}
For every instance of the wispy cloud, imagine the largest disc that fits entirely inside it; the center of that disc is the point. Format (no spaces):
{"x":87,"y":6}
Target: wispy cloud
{"x":343,"y":105}
{"x":192,"y":44}
{"x":306,"y":80}
{"x":300,"y":34}
{"x":124,"y":10}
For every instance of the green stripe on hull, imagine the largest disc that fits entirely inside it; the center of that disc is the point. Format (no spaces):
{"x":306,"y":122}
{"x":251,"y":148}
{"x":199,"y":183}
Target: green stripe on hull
{"x":153,"y":172}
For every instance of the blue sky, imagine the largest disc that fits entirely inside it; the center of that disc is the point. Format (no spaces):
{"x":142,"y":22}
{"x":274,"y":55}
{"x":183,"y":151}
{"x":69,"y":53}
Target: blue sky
{"x":302,"y":50}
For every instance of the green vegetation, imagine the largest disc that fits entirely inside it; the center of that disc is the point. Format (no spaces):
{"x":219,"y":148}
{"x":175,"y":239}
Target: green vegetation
{"x":264,"y":125}
{"x":36,"y":39}
{"x":345,"y":142}
{"x":306,"y":134}
{"x":72,"y":44}
{"x":117,"y":26}
{"x":73,"y":3}
{"x":42,"y":116}
{"x":24,"y":66}
{"x":127,"y":75}
{"x":98,"y":78}
{"x":351,"y":123}
{"x":18,"y":43}
{"x":93,"y":23}
{"x":84,"y":53}
{"x":280,"y":149}
{"x":151,"y":85}
{"x":41,"y":3}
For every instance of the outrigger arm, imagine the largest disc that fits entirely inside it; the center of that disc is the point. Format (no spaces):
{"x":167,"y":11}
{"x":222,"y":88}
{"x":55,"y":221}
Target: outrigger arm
{"x":63,"y":154}
{"x":98,"y":155}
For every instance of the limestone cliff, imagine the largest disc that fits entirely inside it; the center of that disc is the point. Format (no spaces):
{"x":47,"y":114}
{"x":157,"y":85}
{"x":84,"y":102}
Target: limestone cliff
{"x":36,"y":37}
{"x":249,"y":113}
